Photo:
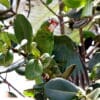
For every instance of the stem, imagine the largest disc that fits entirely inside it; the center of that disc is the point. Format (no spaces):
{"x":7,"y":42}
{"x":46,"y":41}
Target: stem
{"x":48,"y":7}
{"x":83,"y":52}
{"x":92,"y":50}
{"x":14,"y":66}
{"x":5,"y":81}
{"x":60,"y":17}
{"x":17,"y":51}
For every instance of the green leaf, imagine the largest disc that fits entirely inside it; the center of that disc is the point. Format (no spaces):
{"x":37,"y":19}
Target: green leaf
{"x":94,"y":95}
{"x":5,"y":3}
{"x":87,"y":10}
{"x":95,"y":73}
{"x":88,"y":34}
{"x":29,"y":92}
{"x":6,"y":59}
{"x":4,"y":37}
{"x":65,"y":53}
{"x":11,"y":94}
{"x":12,"y":37}
{"x":95,"y":59}
{"x":44,"y":39}
{"x":3,"y":47}
{"x":23,"y":30}
{"x":33,"y":69}
{"x":97,"y":38}
{"x":68,"y":71}
{"x":74,"y":3}
{"x":60,"y":89}
{"x":34,"y":50}
{"x":48,"y":1}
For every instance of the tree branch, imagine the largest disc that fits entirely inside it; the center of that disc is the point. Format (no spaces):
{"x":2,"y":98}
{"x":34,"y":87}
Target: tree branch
{"x":83,"y":52}
{"x":13,"y":66}
{"x":48,"y":8}
{"x":5,"y":81}
{"x":60,"y":17}
{"x":17,"y":51}
{"x":92,"y":50}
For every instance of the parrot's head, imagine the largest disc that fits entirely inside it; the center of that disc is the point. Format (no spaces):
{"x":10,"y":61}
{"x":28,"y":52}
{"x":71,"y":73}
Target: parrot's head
{"x":53,"y":23}
{"x":50,"y":25}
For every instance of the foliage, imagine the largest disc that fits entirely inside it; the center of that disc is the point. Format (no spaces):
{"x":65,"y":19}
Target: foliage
{"x":48,"y":56}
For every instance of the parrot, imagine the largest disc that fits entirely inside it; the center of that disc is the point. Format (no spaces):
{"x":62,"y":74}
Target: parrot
{"x":44,"y":36}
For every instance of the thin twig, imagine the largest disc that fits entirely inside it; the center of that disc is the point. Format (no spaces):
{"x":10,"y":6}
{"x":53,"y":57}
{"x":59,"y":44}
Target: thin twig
{"x":83,"y":52}
{"x":17,"y":51}
{"x":60,"y":17}
{"x":48,"y":7}
{"x":29,"y":1}
{"x":92,"y":50}
{"x":5,"y":81}
{"x":13,"y":66}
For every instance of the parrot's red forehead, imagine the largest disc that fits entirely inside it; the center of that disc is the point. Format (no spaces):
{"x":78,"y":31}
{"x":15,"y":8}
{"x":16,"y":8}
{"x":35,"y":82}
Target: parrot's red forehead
{"x":53,"y":21}
{"x":53,"y":24}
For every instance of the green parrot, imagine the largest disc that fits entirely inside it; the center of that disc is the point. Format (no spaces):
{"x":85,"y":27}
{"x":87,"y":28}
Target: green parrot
{"x":44,"y":36}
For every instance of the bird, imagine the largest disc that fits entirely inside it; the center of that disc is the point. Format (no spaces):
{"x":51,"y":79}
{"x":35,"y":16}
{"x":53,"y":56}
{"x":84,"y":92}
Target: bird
{"x":44,"y":36}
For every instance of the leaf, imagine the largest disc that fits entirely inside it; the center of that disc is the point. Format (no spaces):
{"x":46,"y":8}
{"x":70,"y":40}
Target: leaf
{"x":11,"y":94}
{"x":95,"y":73}
{"x":94,"y":95}
{"x":34,"y":50}
{"x":68,"y":71}
{"x":4,"y":37}
{"x":12,"y":37}
{"x":5,"y":3}
{"x":74,"y":13}
{"x":23,"y":30}
{"x":60,"y":89}
{"x":74,"y":3}
{"x":97,"y":38}
{"x":29,"y":92}
{"x":66,"y":54}
{"x":95,"y":59}
{"x":88,"y":34}
{"x":33,"y":69}
{"x":48,"y":1}
{"x":87,"y":10}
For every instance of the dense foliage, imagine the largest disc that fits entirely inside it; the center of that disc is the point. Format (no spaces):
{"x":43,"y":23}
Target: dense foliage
{"x":64,"y":62}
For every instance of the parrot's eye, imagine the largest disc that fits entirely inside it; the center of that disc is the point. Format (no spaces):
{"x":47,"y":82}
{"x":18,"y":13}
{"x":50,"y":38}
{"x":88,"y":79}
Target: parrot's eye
{"x":53,"y":21}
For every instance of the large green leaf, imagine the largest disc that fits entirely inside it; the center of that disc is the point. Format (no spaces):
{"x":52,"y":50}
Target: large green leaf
{"x":66,"y":54}
{"x":33,"y":69}
{"x":5,"y":3}
{"x":23,"y":29}
{"x":44,"y":39}
{"x":60,"y":89}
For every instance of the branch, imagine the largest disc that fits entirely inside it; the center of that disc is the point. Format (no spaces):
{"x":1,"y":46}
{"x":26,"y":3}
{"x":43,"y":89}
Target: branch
{"x":48,"y":8}
{"x":17,"y":51}
{"x":60,"y":17}
{"x":83,"y":52}
{"x":5,"y":81}
{"x":14,"y":66}
{"x":92,"y":50}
